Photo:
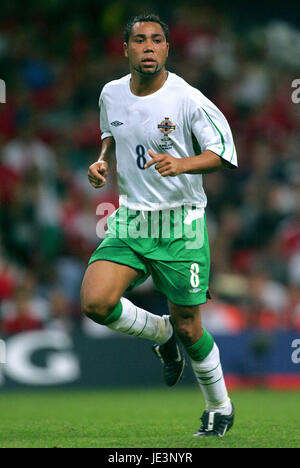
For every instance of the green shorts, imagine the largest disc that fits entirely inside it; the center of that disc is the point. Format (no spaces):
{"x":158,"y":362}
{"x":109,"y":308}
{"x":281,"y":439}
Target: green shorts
{"x":172,"y":248}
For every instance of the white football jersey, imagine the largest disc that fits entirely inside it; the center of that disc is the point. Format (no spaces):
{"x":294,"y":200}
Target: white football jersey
{"x":176,"y":119}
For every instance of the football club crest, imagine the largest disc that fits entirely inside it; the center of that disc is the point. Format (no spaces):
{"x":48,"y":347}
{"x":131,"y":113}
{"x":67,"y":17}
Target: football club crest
{"x":166,"y":126}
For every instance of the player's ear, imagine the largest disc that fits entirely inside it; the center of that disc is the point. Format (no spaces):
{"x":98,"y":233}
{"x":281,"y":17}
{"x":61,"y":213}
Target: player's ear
{"x":125,"y":49}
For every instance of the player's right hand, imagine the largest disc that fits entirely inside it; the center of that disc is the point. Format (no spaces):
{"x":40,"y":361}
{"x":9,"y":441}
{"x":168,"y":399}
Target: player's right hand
{"x":97,"y":174}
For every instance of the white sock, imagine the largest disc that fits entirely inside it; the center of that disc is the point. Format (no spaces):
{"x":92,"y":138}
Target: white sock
{"x":138,"y":322}
{"x":210,"y":377}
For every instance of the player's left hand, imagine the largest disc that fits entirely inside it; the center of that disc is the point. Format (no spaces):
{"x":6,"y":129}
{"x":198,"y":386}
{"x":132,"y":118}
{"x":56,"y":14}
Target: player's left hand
{"x":165,"y":164}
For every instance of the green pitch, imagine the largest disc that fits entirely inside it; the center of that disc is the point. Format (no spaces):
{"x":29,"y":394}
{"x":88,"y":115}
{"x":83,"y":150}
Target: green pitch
{"x":143,"y":418}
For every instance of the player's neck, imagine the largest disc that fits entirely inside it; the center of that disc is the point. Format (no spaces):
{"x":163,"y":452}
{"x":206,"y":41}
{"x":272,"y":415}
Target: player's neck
{"x":142,"y":86}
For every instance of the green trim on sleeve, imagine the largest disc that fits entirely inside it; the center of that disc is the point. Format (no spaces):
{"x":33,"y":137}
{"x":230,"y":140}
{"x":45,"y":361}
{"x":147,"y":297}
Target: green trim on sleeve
{"x":218,"y":130}
{"x":232,"y":153}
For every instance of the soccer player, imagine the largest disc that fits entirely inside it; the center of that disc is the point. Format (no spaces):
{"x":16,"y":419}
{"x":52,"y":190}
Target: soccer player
{"x":165,"y":134}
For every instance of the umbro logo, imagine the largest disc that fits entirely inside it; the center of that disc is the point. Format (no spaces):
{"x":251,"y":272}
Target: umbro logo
{"x":195,"y":290}
{"x":116,"y":123}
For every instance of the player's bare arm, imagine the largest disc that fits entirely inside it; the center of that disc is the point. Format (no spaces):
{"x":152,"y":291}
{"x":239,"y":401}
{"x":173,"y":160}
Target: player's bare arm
{"x":98,"y":171}
{"x":167,"y":165}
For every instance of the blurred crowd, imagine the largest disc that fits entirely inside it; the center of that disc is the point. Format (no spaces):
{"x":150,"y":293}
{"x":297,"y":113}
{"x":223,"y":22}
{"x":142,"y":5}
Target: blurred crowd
{"x":54,"y":66}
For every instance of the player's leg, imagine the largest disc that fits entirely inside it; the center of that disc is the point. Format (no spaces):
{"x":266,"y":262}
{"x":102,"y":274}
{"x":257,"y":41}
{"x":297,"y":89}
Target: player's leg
{"x":205,"y":359}
{"x":102,"y":289}
{"x":177,"y":280}
{"x":203,"y":352}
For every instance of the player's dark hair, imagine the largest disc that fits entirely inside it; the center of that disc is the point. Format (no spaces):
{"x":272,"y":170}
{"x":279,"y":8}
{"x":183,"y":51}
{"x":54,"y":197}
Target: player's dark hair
{"x":151,"y":18}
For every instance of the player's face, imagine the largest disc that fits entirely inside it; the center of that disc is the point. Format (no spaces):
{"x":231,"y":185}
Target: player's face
{"x":147,"y":48}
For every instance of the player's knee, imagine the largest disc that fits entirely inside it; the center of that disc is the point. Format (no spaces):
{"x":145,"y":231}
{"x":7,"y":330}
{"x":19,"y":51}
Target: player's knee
{"x":97,"y":306}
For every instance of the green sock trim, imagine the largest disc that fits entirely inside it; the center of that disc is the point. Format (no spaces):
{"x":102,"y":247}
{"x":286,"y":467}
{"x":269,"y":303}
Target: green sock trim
{"x":199,"y":350}
{"x":114,"y":315}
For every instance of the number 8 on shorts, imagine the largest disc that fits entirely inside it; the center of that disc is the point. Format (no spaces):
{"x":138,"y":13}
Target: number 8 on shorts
{"x":194,"y":270}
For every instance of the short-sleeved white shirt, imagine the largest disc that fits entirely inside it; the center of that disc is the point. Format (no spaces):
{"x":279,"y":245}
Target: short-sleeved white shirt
{"x":169,"y":121}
